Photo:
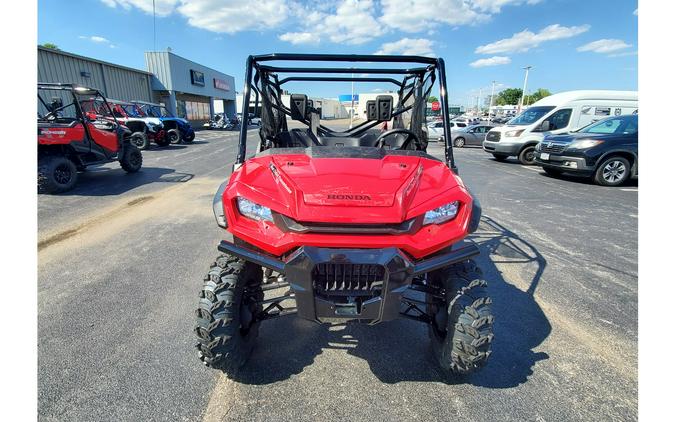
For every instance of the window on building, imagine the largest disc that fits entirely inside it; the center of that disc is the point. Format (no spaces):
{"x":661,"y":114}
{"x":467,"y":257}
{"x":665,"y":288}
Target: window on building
{"x":193,"y":110}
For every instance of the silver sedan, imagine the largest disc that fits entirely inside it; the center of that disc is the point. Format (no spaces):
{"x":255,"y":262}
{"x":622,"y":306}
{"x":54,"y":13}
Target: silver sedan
{"x":470,"y":135}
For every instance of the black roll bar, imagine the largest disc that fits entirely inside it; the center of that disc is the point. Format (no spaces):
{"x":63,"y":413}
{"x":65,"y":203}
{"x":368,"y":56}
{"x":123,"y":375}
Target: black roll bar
{"x":434,"y":64}
{"x":338,"y":79}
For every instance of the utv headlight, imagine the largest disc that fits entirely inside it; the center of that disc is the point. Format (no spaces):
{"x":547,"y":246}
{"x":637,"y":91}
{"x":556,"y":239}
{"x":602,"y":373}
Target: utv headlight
{"x":514,"y":133}
{"x":252,"y":210}
{"x":584,"y":144}
{"x":218,"y":211}
{"x":441,"y":214}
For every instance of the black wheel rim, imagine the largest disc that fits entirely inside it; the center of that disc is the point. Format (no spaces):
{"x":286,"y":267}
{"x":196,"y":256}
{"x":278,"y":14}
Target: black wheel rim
{"x":529,"y":155}
{"x":173,"y":137}
{"x":137,"y":140}
{"x":614,"y":171}
{"x":63,"y":174}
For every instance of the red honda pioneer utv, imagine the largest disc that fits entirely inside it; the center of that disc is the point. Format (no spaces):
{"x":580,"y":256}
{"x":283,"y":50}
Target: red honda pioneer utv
{"x":357,"y":224}
{"x":69,"y":140}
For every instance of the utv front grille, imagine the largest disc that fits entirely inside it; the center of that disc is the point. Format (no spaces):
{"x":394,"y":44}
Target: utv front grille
{"x":550,"y":147}
{"x":493,"y":136}
{"x":345,"y":279}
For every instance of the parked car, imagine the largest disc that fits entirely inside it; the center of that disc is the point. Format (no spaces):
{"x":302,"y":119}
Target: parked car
{"x":606,"y":150}
{"x":558,"y":113}
{"x":177,"y":129}
{"x":470,"y":135}
{"x":435,"y":129}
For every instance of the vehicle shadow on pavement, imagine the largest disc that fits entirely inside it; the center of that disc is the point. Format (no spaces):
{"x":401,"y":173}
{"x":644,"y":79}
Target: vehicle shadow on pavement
{"x":106,"y":181}
{"x":399,"y":350}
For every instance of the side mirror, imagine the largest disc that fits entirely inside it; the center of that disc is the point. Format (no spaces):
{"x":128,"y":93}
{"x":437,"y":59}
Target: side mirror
{"x":545,"y":126}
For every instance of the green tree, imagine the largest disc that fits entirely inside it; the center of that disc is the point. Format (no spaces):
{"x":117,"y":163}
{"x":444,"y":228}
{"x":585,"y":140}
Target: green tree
{"x":50,"y":45}
{"x":509,"y":96}
{"x":432,"y":98}
{"x":537,"y":95}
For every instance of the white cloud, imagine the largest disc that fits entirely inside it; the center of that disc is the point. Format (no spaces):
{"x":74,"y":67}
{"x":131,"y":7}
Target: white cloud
{"x":162,"y":7}
{"x":339,"y":21}
{"x":232,"y":16}
{"x":408,"y":46}
{"x":495,"y":6}
{"x":299,"y":38}
{"x":604,"y":46}
{"x":526,"y":40}
{"x":228,"y":16}
{"x":492,"y":61}
{"x":344,"y":21}
{"x":97,"y":39}
{"x":635,"y":12}
{"x":422,"y":15}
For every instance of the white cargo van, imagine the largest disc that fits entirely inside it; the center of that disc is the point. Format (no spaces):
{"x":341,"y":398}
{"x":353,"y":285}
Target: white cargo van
{"x":558,"y":113}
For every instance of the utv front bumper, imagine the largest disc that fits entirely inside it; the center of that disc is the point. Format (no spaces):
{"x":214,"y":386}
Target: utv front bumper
{"x":340,"y":284}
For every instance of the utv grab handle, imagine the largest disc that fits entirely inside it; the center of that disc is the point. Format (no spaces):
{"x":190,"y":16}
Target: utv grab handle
{"x":417,"y":268}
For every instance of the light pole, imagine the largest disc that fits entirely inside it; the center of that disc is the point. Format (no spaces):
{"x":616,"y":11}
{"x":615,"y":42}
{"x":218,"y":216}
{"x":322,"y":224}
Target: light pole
{"x":522,"y":97}
{"x":490,"y":106}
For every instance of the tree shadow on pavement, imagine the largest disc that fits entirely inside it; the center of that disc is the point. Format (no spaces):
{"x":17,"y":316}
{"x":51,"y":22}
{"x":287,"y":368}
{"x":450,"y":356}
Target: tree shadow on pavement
{"x":106,"y":181}
{"x":400,"y":350}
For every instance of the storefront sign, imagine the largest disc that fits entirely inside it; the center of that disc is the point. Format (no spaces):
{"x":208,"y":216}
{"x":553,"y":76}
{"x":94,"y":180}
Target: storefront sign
{"x":197,"y":77}
{"x":221,"y":84}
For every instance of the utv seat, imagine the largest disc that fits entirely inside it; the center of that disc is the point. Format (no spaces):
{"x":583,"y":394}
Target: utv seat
{"x":298,"y":138}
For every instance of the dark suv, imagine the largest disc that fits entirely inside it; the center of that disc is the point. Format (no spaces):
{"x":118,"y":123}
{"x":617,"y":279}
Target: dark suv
{"x":607,"y":150}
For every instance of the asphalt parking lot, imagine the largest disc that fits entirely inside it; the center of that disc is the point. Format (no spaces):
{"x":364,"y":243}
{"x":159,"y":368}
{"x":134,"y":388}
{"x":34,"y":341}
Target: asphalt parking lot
{"x":121,"y":259}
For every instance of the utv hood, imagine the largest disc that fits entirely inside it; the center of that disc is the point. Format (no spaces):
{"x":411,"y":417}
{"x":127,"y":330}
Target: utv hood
{"x":346,"y":189}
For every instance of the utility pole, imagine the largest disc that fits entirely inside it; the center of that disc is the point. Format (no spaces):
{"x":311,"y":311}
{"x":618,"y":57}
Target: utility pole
{"x":154,"y":28}
{"x":490,"y":106}
{"x":480,"y":97}
{"x":522,"y":97}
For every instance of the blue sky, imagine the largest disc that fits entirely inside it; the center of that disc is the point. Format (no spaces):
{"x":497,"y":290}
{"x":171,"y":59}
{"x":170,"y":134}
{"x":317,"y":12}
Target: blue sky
{"x":571,"y":44}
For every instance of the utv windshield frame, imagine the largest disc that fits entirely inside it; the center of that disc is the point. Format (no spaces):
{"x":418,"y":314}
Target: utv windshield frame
{"x":76,"y":92}
{"x":431,"y":69}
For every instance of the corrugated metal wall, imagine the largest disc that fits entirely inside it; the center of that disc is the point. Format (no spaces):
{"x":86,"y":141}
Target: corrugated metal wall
{"x":116,"y":82}
{"x":158,"y":64}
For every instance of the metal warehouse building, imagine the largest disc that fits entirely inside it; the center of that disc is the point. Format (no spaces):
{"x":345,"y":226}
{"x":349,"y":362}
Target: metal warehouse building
{"x":118,"y":82}
{"x":188,"y":89}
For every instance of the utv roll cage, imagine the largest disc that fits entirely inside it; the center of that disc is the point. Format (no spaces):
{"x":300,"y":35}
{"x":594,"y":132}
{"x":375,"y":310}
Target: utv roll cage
{"x":413,"y":85}
{"x":74,"y":90}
